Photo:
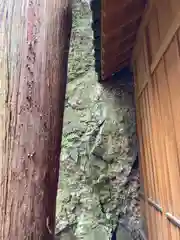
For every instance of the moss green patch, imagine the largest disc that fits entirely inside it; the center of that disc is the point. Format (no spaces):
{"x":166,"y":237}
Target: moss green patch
{"x":95,"y":158}
{"x":80,"y":57}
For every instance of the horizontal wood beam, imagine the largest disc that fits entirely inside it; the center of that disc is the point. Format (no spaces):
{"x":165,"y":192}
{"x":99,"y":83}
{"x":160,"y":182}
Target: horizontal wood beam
{"x":122,"y":17}
{"x":113,"y":58}
{"x":107,"y":71}
{"x":120,"y":37}
{"x":118,"y":46}
{"x":106,"y":4}
{"x":112,"y":8}
{"x":116,"y":64}
{"x":129,"y":27}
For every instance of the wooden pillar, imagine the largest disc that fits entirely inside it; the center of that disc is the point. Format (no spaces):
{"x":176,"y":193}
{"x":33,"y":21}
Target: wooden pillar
{"x":34,"y":45}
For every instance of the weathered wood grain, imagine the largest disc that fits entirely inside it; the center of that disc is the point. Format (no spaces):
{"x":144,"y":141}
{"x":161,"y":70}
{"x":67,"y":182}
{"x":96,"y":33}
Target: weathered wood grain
{"x":34,"y":44}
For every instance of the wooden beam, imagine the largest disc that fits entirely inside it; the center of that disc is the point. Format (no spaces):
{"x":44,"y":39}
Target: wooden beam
{"x":108,"y":4}
{"x":118,"y":46}
{"x":114,"y":57}
{"x":123,"y":30}
{"x":112,"y":8}
{"x":115,"y":64}
{"x":33,"y":68}
{"x":145,"y":18}
{"x":122,"y":17}
{"x":120,"y":40}
{"x":109,"y":70}
{"x":106,"y":74}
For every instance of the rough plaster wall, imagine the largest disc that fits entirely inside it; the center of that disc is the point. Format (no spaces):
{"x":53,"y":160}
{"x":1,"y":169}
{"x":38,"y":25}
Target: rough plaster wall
{"x":98,"y":189}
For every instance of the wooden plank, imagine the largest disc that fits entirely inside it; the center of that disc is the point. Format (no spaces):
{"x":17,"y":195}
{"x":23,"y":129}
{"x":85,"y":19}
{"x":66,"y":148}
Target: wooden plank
{"x":156,"y":130}
{"x":142,"y":157}
{"x":156,"y":221}
{"x":153,"y":138}
{"x":142,"y":67}
{"x":116,"y":3}
{"x":161,"y":116}
{"x":123,"y":16}
{"x":154,"y":163}
{"x":152,"y":218}
{"x":150,"y":146}
{"x":153,"y":30}
{"x":136,"y":77}
{"x":139,"y":73}
{"x":175,"y":7}
{"x":167,"y":40}
{"x":115,"y":57}
{"x":141,"y":193}
{"x":116,"y":67}
{"x":164,"y":16}
{"x":147,"y":75}
{"x":159,"y":74}
{"x":108,"y":39}
{"x":119,"y":45}
{"x":147,"y":53}
{"x":169,"y":138}
{"x":172,"y":63}
{"x":107,"y":72}
{"x":116,"y":7}
{"x":141,"y":153}
{"x":157,"y":218}
{"x":125,"y":30}
{"x":145,"y":18}
{"x":174,"y":231}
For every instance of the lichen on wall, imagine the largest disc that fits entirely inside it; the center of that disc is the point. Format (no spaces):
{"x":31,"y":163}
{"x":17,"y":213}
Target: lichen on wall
{"x":98,"y":189}
{"x":81,"y":56}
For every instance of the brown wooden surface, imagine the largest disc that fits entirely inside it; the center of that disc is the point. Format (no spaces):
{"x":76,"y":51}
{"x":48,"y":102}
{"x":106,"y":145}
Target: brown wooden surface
{"x":157,"y":72}
{"x":119,"y":24}
{"x":33,"y":73}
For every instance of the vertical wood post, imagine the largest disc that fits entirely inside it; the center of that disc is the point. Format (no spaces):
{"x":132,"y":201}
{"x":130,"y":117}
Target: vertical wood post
{"x":34,"y":45}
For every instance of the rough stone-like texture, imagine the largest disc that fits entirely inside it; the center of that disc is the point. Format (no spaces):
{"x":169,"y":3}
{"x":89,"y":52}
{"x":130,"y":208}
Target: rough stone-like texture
{"x":98,"y":188}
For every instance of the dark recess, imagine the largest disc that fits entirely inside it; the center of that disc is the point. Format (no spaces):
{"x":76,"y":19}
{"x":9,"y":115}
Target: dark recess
{"x":96,"y":27}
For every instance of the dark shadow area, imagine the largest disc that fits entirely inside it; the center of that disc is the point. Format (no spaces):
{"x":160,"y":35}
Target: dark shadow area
{"x":96,"y":27}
